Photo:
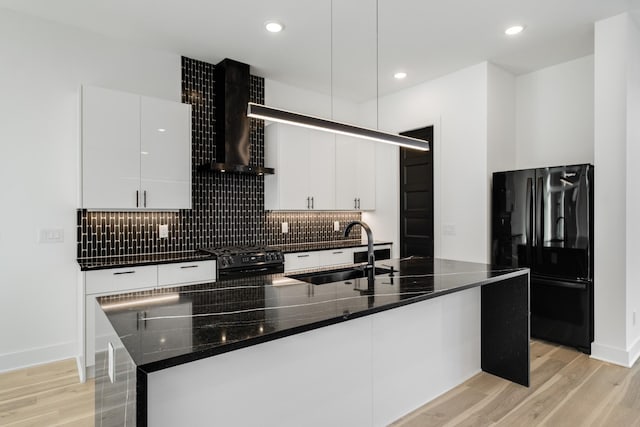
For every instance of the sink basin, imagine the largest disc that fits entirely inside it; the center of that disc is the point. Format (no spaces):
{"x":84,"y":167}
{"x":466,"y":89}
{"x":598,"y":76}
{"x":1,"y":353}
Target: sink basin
{"x":339,"y":275}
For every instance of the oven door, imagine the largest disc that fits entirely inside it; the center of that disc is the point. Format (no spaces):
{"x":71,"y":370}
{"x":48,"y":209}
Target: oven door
{"x":236,"y":273}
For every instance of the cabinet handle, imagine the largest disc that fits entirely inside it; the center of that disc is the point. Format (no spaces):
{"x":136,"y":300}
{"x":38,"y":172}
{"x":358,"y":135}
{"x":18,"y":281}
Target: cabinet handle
{"x":123,"y":272}
{"x":312,"y":202}
{"x":358,"y":203}
{"x":338,"y":252}
{"x":303,"y":256}
{"x":137,"y":199}
{"x":308,"y":202}
{"x":355,"y":203}
{"x":144,"y":197}
{"x":189,"y":266}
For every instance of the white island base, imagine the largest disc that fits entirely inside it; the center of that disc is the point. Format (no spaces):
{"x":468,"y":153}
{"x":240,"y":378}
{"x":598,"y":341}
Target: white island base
{"x":368,"y":371}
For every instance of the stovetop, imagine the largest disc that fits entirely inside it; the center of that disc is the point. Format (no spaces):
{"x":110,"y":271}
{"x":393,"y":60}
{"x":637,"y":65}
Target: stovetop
{"x":246,"y":257}
{"x":238,"y":250}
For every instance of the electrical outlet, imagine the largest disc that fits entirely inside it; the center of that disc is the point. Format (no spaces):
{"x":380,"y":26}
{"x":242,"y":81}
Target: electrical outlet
{"x":51,"y":235}
{"x":285,"y":227}
{"x":163,"y":231}
{"x":336,"y":225}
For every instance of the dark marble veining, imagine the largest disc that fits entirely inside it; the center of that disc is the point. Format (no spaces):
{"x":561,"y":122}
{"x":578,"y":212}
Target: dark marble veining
{"x":172,"y":326}
{"x":320,"y":246}
{"x":102,"y":263}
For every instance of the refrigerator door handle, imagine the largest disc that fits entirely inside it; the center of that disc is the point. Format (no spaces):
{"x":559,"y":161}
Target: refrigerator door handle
{"x":529,"y":209}
{"x":559,"y":283}
{"x":539,"y":242}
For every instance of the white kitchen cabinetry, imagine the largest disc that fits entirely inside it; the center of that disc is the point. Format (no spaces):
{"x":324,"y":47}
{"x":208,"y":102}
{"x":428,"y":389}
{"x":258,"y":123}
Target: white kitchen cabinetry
{"x":118,"y":280}
{"x":301,"y":261}
{"x":355,"y":174}
{"x":136,"y":152}
{"x":304,"y":161}
{"x":336,"y":257}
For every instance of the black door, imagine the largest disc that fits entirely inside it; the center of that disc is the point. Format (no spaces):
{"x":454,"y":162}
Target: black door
{"x":416,"y":197}
{"x":512,"y":221}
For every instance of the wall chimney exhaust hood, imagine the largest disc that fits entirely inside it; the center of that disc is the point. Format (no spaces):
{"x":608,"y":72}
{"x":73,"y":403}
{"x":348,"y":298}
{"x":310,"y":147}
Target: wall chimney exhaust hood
{"x":233,"y":145}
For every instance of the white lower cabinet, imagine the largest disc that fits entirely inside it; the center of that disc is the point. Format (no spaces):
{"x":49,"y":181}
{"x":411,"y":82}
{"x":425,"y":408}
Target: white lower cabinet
{"x":336,"y":257}
{"x":133,"y":279}
{"x":186,"y":273}
{"x":301,"y":261}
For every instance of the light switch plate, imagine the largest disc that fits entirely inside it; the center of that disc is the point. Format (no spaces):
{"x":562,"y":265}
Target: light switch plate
{"x":163,"y":231}
{"x":449,"y":229}
{"x":51,"y":235}
{"x":336,"y":225}
{"x":285,"y":227}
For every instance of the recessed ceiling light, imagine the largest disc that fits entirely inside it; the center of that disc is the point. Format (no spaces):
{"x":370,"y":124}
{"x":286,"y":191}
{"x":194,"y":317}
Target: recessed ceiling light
{"x":512,"y":31}
{"x":162,"y":130}
{"x":273,"y":27}
{"x":400,"y":75}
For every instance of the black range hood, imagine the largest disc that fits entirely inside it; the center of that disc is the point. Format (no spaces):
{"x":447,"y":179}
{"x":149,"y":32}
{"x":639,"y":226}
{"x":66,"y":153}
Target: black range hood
{"x":233,"y":145}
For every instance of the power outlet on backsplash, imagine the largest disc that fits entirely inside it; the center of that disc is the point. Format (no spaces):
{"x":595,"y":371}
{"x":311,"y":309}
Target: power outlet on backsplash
{"x":163,"y":231}
{"x":285,"y":227}
{"x":336,"y":225}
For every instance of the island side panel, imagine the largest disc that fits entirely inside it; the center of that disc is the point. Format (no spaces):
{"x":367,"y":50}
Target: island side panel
{"x":317,"y":378}
{"x":506,"y":329}
{"x":422,"y":350}
{"x":115,"y":387}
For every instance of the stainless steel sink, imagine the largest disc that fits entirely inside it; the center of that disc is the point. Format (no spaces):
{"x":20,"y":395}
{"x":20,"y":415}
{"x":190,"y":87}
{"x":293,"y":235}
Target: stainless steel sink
{"x":339,"y":275}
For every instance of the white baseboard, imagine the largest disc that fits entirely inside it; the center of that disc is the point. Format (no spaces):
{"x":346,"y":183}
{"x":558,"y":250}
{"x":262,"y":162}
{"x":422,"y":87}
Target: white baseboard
{"x":634,"y":352}
{"x":614,"y":355}
{"x":37,"y":356}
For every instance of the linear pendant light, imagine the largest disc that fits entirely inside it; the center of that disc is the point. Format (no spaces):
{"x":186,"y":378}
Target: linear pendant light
{"x":258,"y":111}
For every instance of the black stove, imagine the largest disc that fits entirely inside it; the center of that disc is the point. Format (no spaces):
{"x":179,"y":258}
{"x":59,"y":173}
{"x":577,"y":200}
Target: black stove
{"x":238,"y":261}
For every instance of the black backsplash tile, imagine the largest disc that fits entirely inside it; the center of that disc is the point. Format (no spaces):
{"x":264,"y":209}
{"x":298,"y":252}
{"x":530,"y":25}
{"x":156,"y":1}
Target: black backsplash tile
{"x":226,"y":209}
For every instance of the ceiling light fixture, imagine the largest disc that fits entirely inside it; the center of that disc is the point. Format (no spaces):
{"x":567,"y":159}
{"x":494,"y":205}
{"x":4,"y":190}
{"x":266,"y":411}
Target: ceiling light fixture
{"x":400,"y":75}
{"x":512,"y":31}
{"x":264,"y":112}
{"x":273,"y":27}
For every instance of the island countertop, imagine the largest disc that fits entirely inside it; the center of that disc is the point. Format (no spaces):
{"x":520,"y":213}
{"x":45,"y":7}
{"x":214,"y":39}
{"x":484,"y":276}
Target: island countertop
{"x":171,"y":326}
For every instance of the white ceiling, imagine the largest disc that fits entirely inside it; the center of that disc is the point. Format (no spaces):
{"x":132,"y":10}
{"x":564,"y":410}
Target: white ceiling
{"x":425,"y":38}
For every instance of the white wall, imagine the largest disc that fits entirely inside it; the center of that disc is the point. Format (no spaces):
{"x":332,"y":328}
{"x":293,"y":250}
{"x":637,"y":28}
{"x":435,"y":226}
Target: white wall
{"x":554,"y":122}
{"x":456,"y":105}
{"x":616,"y":200}
{"x":43,"y":65}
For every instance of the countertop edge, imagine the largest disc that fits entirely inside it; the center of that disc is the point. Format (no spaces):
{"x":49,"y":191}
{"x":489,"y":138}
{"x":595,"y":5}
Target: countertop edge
{"x":171,"y":362}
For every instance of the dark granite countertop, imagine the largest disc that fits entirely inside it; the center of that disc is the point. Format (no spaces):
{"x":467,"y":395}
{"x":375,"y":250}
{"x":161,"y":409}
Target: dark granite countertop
{"x":171,"y":326}
{"x":102,"y":263}
{"x":320,"y":246}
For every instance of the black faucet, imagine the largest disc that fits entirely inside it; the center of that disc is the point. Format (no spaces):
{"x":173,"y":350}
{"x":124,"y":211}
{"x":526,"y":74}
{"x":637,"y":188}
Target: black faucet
{"x":370,"y":255}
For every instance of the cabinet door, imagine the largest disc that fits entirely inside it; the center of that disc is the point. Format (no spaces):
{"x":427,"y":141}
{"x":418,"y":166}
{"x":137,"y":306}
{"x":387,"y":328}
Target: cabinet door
{"x":165,"y":148}
{"x":346,"y":173}
{"x":366,"y":167}
{"x":110,"y":149}
{"x":321,"y":170}
{"x":293,"y":164}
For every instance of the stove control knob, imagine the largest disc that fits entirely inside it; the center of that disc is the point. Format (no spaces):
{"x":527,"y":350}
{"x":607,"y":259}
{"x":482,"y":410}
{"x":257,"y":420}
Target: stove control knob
{"x":223,"y":261}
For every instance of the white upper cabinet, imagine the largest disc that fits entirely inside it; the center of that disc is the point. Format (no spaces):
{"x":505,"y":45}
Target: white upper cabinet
{"x":304,"y":176}
{"x":136,"y":152}
{"x":355,"y":174}
{"x":165,"y":148}
{"x":110,"y":148}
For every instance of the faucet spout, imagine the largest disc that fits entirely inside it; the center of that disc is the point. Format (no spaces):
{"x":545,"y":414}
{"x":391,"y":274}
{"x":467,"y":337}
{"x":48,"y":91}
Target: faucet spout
{"x":371,"y":259}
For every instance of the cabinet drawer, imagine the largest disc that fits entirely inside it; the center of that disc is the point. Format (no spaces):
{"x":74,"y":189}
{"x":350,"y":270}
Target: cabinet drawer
{"x":120,"y":279}
{"x":301,"y":261}
{"x":186,"y":272}
{"x":336,"y":256}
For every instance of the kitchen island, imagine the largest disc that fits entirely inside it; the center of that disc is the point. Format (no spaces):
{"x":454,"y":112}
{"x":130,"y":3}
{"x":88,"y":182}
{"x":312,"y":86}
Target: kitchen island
{"x":275,"y":350}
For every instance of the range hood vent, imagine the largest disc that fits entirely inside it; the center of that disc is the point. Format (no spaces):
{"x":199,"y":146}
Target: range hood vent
{"x":233,"y":145}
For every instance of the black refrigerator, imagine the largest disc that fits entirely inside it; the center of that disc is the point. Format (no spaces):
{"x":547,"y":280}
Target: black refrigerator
{"x":543,"y":219}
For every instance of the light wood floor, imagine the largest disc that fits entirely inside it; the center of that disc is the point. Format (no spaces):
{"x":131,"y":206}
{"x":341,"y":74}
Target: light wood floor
{"x":46,"y":395}
{"x":567,"y":389}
